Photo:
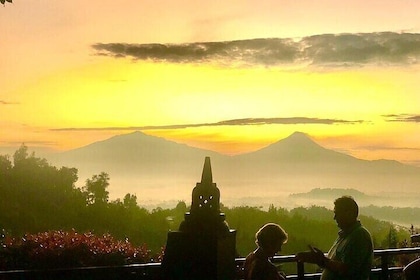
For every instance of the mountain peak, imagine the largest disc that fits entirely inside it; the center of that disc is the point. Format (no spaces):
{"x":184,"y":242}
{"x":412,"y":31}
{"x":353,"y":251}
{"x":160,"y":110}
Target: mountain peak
{"x":298,"y":138}
{"x":298,"y":145}
{"x":298,"y":135}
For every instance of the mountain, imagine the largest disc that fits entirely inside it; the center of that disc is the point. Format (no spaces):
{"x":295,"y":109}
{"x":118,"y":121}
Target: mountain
{"x":158,"y":169}
{"x":296,"y":152}
{"x":137,"y":161}
{"x":297,"y":163}
{"x":298,"y":147}
{"x":135,"y":152}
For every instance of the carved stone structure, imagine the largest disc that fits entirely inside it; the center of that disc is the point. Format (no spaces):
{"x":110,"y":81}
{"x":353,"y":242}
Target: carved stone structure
{"x":204,"y":246}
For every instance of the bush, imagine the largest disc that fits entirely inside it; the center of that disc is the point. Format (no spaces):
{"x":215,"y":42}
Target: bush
{"x":60,"y":249}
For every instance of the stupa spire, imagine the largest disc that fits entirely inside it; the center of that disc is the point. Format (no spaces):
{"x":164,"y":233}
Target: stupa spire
{"x":207,"y":177}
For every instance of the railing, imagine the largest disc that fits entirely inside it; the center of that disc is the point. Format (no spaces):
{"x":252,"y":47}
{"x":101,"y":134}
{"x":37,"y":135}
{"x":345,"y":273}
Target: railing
{"x":152,"y":271}
{"x":382,"y":272}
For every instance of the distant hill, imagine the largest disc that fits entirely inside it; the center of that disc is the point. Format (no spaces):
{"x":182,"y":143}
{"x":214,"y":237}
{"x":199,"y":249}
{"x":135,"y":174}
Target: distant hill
{"x":329,"y":193}
{"x":370,"y":205}
{"x":326,"y":196}
{"x":158,"y":169}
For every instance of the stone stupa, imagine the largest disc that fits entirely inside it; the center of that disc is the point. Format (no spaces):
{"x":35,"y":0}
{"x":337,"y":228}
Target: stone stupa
{"x":204,"y":246}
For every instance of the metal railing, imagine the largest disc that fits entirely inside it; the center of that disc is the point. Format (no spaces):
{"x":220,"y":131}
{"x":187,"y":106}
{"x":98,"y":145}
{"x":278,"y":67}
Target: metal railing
{"x":384,"y":271}
{"x":152,"y":271}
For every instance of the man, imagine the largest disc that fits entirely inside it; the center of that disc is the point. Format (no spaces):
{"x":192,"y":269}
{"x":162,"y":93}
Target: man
{"x":351,"y":255}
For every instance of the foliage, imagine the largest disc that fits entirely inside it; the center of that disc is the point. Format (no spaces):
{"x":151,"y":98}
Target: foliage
{"x":305,"y":225}
{"x":404,"y":215}
{"x":37,"y":197}
{"x":4,"y":1}
{"x":96,"y":189}
{"x":59,"y":249}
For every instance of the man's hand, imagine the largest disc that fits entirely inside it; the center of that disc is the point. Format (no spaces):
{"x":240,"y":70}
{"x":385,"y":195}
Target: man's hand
{"x":315,"y":256}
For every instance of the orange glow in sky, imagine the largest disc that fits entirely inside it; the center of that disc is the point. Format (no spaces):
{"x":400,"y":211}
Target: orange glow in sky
{"x":59,"y":92}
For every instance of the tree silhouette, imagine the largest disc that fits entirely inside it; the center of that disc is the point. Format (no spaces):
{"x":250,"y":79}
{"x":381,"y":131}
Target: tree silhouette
{"x":96,"y":189}
{"x":3,"y":1}
{"x":130,"y":201}
{"x":37,"y":196}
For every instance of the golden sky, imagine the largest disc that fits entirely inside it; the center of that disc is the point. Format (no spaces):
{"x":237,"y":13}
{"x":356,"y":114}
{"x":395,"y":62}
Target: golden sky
{"x":232,"y":76}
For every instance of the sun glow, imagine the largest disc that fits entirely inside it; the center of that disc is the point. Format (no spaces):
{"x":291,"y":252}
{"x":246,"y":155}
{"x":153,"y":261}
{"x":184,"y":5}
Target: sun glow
{"x":119,"y":95}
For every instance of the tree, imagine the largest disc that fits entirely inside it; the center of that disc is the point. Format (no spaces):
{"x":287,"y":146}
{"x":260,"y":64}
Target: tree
{"x":5,"y":164}
{"x":35,"y":195}
{"x":20,"y":155}
{"x":96,"y":189}
{"x":130,"y":201}
{"x":3,"y":1}
{"x":392,"y":237}
{"x":5,"y":168}
{"x":181,"y":207}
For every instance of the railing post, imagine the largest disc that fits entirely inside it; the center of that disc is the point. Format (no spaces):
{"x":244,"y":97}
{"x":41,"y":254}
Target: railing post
{"x":384,"y":266}
{"x":300,"y":270}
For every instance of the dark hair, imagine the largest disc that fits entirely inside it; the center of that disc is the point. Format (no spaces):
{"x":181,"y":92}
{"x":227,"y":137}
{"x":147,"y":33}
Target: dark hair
{"x":347,"y":203}
{"x":270,"y":233}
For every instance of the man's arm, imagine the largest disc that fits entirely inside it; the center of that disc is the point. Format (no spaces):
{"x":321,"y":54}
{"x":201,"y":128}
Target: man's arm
{"x":335,"y":266}
{"x":316,"y":256}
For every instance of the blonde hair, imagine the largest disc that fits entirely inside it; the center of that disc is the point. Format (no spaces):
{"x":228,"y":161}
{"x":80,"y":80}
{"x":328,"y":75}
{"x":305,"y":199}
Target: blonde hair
{"x":269,"y":234}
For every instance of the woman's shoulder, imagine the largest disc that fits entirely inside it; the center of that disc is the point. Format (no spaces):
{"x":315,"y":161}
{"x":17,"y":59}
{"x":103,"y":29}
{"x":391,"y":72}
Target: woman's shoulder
{"x":260,"y":268}
{"x":255,"y":260}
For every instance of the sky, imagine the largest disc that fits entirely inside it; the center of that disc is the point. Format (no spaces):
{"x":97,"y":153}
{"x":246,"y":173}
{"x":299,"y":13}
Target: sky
{"x":228,"y":76}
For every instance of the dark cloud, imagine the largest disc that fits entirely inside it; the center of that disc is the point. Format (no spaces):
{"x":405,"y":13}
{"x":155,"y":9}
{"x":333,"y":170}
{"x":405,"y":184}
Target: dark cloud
{"x":327,"y":49}
{"x":363,"y":48}
{"x":29,"y":143}
{"x":294,"y":120}
{"x":257,"y":51}
{"x":2,"y":102}
{"x":234,"y":122}
{"x":403,"y":118}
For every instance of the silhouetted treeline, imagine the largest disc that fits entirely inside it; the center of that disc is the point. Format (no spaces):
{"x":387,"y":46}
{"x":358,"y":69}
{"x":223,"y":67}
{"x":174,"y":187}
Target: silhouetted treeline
{"x":36,"y":196}
{"x":402,"y":215}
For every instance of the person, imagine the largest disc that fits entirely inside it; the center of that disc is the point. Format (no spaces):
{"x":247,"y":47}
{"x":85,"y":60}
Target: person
{"x":269,"y":240}
{"x":351,"y":255}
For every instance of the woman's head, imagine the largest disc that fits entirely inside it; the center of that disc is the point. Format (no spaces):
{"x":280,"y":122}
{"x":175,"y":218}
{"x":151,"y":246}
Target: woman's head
{"x":270,"y":238}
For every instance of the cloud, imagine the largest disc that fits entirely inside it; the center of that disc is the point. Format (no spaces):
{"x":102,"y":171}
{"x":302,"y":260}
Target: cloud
{"x":234,"y":122}
{"x":327,"y":49}
{"x":257,"y":51}
{"x":2,"y":102}
{"x":402,"y":118}
{"x":363,"y":48}
{"x":293,"y":120}
{"x":29,"y":143}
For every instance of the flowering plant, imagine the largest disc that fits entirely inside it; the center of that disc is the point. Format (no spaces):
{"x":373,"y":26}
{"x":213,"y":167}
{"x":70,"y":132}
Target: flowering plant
{"x":59,"y":249}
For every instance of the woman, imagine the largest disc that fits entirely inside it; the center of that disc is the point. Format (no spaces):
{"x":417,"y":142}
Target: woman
{"x":269,"y":240}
